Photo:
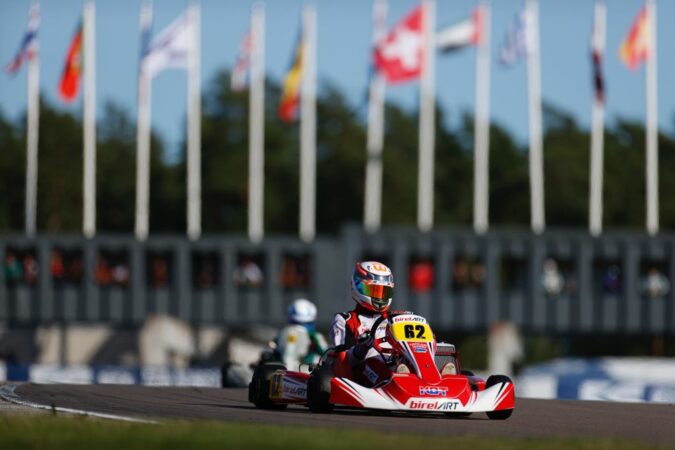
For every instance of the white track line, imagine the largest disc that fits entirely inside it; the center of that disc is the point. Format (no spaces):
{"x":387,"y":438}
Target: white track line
{"x":7,"y":393}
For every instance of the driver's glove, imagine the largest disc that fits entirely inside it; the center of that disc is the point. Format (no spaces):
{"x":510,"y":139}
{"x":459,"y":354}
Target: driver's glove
{"x":364,"y":343}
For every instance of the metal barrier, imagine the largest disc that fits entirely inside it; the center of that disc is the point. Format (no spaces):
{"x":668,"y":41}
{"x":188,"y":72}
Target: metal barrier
{"x":556,"y":283}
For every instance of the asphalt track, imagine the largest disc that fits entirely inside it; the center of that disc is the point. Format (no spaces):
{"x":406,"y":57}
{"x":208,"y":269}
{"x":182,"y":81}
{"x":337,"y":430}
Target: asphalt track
{"x":648,"y":423}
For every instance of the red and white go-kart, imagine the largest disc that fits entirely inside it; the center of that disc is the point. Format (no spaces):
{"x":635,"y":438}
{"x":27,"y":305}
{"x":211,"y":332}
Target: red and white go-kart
{"x":426,"y":377}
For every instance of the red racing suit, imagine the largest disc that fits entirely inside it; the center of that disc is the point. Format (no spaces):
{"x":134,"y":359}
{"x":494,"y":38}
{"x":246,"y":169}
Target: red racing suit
{"x":346,"y":329}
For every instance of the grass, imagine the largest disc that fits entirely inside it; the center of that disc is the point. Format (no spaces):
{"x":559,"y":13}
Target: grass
{"x":75,"y":432}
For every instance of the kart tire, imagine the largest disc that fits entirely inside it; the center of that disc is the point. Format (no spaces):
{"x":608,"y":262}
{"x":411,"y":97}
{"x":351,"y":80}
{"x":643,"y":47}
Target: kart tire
{"x":259,"y":388}
{"x":502,"y":414}
{"x":318,"y":390}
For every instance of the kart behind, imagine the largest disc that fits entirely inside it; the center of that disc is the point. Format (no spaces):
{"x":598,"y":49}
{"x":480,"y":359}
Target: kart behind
{"x":426,"y":377}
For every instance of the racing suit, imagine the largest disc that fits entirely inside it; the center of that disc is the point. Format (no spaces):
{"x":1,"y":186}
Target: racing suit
{"x":298,"y":344}
{"x":346,"y":329}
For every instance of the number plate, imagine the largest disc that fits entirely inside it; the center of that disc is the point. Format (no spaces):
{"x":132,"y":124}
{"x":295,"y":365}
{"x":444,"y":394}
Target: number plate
{"x":412,"y":332}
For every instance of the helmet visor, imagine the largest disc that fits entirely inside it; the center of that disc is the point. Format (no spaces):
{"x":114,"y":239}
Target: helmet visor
{"x":377,"y":291}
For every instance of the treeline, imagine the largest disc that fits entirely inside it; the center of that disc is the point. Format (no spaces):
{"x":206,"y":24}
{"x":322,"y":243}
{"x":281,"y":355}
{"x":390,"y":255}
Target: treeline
{"x":341,"y":162}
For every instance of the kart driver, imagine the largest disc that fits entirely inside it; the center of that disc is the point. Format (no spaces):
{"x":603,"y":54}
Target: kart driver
{"x":298,"y":342}
{"x":372,"y":287}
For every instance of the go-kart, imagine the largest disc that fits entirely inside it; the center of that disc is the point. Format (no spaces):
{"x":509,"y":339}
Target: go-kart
{"x":426,"y":377}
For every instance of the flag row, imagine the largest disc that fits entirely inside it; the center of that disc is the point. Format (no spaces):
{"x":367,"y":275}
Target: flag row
{"x":403,"y":53}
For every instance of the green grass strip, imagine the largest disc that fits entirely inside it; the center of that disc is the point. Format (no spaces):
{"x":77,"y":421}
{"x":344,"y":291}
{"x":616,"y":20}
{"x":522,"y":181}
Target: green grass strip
{"x":76,"y":432}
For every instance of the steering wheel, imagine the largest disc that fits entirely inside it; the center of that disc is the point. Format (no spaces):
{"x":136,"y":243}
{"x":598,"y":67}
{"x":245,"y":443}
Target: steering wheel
{"x":377,"y":342}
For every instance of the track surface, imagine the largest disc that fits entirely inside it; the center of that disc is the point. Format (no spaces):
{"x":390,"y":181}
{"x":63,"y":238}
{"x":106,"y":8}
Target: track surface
{"x":532,"y":418}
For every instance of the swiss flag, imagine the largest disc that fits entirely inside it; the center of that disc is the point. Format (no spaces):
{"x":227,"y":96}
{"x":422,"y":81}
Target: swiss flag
{"x":399,"y":55}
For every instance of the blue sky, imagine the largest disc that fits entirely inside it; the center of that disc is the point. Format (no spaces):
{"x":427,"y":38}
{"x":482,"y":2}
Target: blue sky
{"x":343,"y":52}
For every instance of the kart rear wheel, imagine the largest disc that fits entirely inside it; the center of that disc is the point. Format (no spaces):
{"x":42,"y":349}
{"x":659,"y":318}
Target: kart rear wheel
{"x":259,"y":388}
{"x":318,"y":390}
{"x":502,"y":414}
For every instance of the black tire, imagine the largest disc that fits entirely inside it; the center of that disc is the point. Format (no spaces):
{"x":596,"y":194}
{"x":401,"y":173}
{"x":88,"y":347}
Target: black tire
{"x":318,"y":390}
{"x":259,"y":388}
{"x":502,"y":414}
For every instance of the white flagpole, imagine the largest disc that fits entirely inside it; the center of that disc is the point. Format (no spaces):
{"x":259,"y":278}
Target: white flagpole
{"x":425,"y":175}
{"x":256,"y":126}
{"x":143,"y":139}
{"x":308,"y":128}
{"x":89,"y":181}
{"x":194,"y":124}
{"x":534,"y":96}
{"x":373,"y":191}
{"x":481,"y":201}
{"x":598,"y":130}
{"x":652,"y":166}
{"x":33,"y":128}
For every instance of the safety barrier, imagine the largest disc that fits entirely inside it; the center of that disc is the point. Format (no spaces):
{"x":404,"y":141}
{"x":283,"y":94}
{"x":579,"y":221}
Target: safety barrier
{"x":559,"y":282}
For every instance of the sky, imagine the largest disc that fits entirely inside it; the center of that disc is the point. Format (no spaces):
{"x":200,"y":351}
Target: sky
{"x":344,"y":41}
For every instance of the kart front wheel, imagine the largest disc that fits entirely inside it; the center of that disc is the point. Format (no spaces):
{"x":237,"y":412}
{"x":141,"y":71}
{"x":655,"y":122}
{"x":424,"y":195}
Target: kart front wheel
{"x":501,"y":414}
{"x":318,"y":390}
{"x":259,"y":388}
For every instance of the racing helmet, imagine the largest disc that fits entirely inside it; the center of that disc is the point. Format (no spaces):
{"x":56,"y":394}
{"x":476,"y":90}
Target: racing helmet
{"x":302,"y":311}
{"x":372,"y":285}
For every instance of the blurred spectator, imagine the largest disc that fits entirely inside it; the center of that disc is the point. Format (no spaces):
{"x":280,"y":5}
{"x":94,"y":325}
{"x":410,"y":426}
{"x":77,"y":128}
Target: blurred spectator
{"x":120,"y":274}
{"x":654,"y":284}
{"x":248,"y":273}
{"x":75,"y":269}
{"x":460,"y":274}
{"x":294,"y":272}
{"x":160,"y":272}
{"x":467,"y":274}
{"x":102,"y":275}
{"x":30,"y":269}
{"x":206,"y":275}
{"x":551,"y":278}
{"x":12,"y":269}
{"x":421,"y":275}
{"x":57,"y":267}
{"x":477,"y":275}
{"x":612,"y":281}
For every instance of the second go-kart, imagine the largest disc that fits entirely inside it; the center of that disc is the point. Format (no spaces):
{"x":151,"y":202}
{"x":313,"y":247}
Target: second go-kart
{"x":426,"y":377}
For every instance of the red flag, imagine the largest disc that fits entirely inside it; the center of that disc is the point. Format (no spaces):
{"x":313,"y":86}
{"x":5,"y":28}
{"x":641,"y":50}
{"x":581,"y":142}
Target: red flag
{"x":70,"y":80}
{"x":399,"y":55}
{"x":635,"y":48}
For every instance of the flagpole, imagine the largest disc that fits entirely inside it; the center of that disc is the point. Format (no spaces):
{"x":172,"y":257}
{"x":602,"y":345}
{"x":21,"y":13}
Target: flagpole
{"x":256,"y":126}
{"x":308,"y":127}
{"x":598,"y":130}
{"x":33,"y":121}
{"x":89,"y":181}
{"x":143,"y":137}
{"x":425,"y":176}
{"x":652,"y":174}
{"x":534,"y":96}
{"x":194,"y":125}
{"x":481,"y":202}
{"x":373,"y":191}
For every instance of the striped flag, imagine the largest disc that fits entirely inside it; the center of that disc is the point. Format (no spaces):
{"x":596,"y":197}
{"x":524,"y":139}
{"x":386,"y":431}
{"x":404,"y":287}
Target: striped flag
{"x":463,"y":34}
{"x":635,"y":48}
{"x":515,"y":45}
{"x":290,"y":97}
{"x":70,"y":80}
{"x":241,"y":68}
{"x":29,"y":43}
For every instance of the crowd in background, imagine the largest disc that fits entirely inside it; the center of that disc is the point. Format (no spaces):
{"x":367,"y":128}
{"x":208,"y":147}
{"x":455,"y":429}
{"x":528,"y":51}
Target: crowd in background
{"x":558,"y":277}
